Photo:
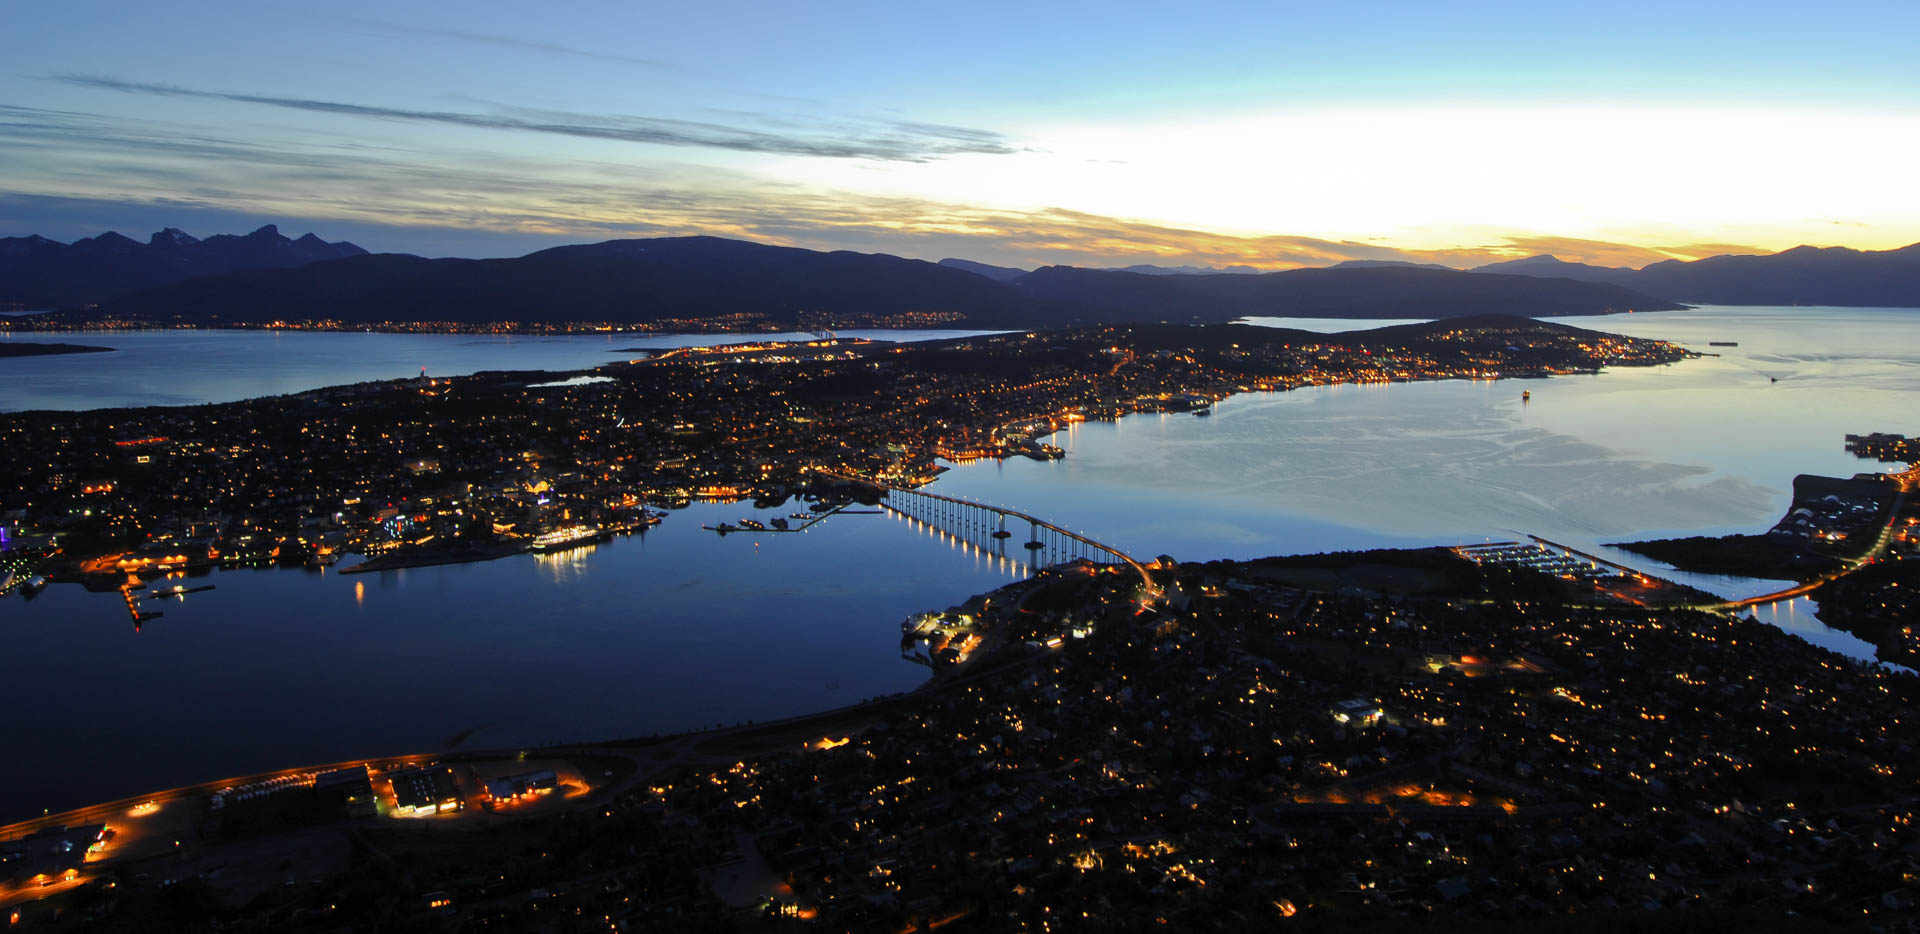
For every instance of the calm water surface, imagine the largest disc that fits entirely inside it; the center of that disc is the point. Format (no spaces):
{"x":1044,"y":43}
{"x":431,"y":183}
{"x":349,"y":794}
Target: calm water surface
{"x":682,"y":629}
{"x":191,"y":367}
{"x":674,"y":629}
{"x":1704,"y":446}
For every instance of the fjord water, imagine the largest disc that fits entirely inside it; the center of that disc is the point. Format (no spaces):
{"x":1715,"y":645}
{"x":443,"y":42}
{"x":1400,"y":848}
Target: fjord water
{"x":670,"y":630}
{"x":191,"y":367}
{"x":682,"y":629}
{"x":1705,"y":446}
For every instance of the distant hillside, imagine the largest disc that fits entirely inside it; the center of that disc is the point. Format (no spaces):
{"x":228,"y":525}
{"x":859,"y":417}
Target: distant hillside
{"x":1553,"y":267}
{"x":41,"y":273}
{"x":1377,"y":263}
{"x":626,"y":281}
{"x":1364,"y":292}
{"x":1801,"y":276}
{"x":996,"y":273}
{"x":1146,"y":269}
{"x":632,"y":281}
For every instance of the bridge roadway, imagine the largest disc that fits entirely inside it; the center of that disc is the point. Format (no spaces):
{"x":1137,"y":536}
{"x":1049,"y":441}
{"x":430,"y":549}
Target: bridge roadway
{"x":1152,"y":591}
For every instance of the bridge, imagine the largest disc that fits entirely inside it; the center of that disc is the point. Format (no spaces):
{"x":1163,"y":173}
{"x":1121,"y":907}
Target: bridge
{"x":1907,"y":479}
{"x":985,"y":526}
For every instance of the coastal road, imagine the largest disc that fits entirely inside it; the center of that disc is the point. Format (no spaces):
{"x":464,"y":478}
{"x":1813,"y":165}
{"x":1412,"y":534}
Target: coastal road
{"x":1907,"y":481}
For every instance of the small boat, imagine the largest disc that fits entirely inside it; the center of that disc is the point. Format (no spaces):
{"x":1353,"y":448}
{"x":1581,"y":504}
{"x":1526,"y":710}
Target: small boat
{"x":1526,"y":394}
{"x":1203,"y":412}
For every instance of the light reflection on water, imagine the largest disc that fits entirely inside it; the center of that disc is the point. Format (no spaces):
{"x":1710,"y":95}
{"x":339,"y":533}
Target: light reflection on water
{"x":1800,"y":616}
{"x":150,"y":367}
{"x":568,"y":566}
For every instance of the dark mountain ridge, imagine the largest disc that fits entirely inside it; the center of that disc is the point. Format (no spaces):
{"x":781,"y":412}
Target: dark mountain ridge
{"x":626,"y":281}
{"x":1553,"y":267}
{"x":40,"y":273}
{"x":1804,"y":275}
{"x":635,"y":281}
{"x":996,"y":273}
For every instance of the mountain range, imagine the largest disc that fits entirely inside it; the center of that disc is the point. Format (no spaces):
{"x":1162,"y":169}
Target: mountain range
{"x":40,"y":273}
{"x":634,"y":281}
{"x":264,"y":276}
{"x":1804,"y":275}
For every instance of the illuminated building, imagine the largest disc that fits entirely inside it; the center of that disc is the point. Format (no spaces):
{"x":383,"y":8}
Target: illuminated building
{"x":418,"y":792}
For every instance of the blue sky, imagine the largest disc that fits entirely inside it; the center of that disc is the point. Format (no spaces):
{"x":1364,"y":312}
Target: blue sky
{"x":1272,"y":134}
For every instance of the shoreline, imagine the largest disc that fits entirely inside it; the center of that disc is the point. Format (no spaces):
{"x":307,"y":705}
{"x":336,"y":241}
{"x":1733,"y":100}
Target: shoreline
{"x":32,"y":322}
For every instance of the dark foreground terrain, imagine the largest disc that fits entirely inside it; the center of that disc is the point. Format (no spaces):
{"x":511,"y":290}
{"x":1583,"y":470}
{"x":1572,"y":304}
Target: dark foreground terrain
{"x":1242,"y":754}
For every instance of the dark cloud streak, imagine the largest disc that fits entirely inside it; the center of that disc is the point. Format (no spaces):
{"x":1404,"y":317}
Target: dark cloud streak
{"x":892,"y":142}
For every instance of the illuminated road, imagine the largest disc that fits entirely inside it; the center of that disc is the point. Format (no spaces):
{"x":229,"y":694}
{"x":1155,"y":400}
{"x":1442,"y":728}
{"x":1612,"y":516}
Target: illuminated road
{"x":1907,"y":481}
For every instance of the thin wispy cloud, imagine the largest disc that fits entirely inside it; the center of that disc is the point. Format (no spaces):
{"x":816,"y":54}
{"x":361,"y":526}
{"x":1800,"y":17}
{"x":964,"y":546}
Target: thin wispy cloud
{"x":886,"y":141}
{"x":399,"y":30}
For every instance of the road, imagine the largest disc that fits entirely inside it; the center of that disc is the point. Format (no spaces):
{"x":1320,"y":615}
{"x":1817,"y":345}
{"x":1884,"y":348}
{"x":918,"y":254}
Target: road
{"x":1907,"y":481}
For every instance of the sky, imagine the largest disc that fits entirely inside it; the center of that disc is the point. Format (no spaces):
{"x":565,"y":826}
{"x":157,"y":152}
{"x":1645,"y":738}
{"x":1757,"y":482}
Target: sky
{"x":1024,"y":134}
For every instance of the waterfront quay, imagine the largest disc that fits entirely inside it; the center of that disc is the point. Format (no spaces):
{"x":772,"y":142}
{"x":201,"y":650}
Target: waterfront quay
{"x":430,"y":470}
